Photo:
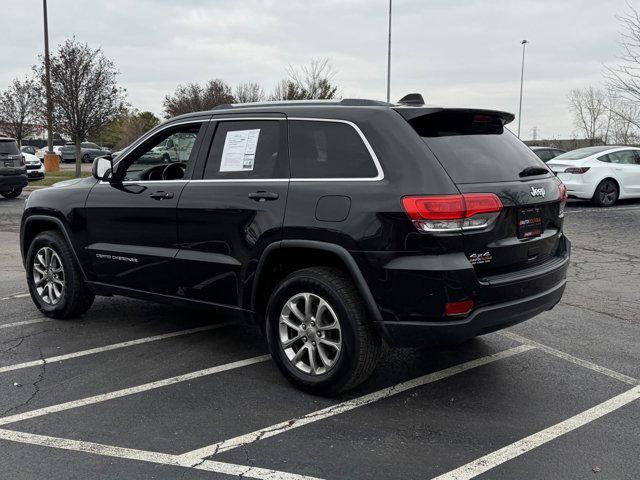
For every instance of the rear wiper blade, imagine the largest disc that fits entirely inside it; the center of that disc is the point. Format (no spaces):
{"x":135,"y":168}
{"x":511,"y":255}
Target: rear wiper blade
{"x":529,"y":171}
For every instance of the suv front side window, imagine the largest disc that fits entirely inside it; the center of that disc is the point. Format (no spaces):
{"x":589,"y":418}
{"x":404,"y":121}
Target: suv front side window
{"x":166,"y":156}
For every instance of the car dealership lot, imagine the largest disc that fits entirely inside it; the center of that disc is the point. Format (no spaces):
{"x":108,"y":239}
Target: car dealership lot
{"x":138,"y":390}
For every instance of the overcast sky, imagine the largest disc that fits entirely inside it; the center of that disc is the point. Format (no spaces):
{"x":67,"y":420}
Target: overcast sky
{"x":455,"y":52}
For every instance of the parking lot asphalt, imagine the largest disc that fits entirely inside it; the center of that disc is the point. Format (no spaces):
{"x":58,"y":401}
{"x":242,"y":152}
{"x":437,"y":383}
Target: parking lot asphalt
{"x":139,"y":390}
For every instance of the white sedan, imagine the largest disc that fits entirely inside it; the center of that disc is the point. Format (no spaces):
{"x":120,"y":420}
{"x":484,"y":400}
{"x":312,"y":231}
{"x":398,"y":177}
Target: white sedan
{"x":600,"y":174}
{"x":40,"y":153}
{"x":35,"y":168}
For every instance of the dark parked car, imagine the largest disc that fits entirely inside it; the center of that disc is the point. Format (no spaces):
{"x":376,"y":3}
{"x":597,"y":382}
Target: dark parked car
{"x":547,"y":153}
{"x":90,"y":151}
{"x":333,"y":225}
{"x":13,"y":173}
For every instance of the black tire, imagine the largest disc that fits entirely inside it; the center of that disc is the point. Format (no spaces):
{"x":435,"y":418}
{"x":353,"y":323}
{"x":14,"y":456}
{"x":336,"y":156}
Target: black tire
{"x":76,"y":297}
{"x":606,"y":194}
{"x":86,"y":158}
{"x":12,"y":193}
{"x":361,"y":344}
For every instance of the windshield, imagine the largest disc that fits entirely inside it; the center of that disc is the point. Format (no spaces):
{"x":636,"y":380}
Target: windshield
{"x":581,"y":153}
{"x":9,"y":147}
{"x":477,"y":148}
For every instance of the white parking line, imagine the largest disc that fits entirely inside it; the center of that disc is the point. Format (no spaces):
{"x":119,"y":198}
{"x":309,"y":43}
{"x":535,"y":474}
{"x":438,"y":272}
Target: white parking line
{"x":25,"y":322}
{"x":131,"y":390}
{"x":619,"y":209}
{"x":493,"y":459}
{"x":201,"y":453}
{"x":115,"y":346}
{"x":570,"y":358}
{"x":16,"y":295}
{"x":147,"y":456}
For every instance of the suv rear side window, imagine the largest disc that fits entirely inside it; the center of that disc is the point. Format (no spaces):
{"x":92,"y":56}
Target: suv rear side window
{"x":9,"y":147}
{"x":475,"y":148}
{"x":328,"y":149}
{"x":248,"y":149}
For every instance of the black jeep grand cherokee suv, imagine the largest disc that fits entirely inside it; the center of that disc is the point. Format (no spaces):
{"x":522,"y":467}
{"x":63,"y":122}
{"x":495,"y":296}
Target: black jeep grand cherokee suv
{"x":334,"y":225}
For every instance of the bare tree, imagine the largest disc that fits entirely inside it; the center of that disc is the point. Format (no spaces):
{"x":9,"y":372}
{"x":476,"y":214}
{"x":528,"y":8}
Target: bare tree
{"x":19,"y":110}
{"x":625,"y":77}
{"x":247,"y":92}
{"x":590,"y":111}
{"x":308,"y":82}
{"x":84,"y":91}
{"x":287,"y":90}
{"x":194,"y":97}
{"x":625,"y":123}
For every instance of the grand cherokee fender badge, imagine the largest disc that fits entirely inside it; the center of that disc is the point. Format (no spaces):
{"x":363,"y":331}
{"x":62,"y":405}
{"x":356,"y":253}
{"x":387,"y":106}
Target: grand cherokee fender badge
{"x":538,"y":192}
{"x":118,"y":258}
{"x":480,"y":258}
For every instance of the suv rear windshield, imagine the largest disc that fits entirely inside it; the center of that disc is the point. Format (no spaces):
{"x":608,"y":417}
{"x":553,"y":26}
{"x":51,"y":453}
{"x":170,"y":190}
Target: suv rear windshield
{"x":9,"y":147}
{"x":475,"y":147}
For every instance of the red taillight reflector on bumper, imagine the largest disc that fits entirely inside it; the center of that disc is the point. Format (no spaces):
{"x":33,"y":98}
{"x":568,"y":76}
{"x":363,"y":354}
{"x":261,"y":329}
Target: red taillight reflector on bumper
{"x":439,"y":213}
{"x":458,"y":308}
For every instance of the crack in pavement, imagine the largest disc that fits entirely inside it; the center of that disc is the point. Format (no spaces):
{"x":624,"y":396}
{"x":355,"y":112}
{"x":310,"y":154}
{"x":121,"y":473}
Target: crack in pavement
{"x":36,"y":387}
{"x":22,"y":338}
{"x":593,"y":310}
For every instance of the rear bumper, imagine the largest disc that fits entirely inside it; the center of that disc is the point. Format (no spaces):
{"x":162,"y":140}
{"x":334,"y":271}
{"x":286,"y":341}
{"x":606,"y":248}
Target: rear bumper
{"x":35,"y":173}
{"x":483,"y":320}
{"x":578,"y":186}
{"x":9,"y":182}
{"x":411,"y":293}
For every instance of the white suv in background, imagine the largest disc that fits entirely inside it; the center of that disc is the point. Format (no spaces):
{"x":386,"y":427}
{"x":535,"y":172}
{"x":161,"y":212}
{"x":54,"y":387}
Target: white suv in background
{"x":601,"y":174}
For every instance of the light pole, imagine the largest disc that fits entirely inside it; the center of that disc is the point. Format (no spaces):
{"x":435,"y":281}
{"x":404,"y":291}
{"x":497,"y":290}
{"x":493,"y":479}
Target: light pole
{"x":47,"y":80}
{"x":524,"y":44}
{"x":389,"y":57}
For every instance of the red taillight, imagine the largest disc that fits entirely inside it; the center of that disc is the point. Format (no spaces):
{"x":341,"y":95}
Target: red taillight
{"x":452,"y":212}
{"x":578,"y":170}
{"x":442,"y":207}
{"x":458,"y":308}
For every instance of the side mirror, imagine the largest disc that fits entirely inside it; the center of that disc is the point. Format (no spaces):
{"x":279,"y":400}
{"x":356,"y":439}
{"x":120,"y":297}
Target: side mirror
{"x":102,"y":168}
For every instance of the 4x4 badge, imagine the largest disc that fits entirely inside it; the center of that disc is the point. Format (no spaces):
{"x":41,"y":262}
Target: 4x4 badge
{"x":480,"y":258}
{"x":538,"y":192}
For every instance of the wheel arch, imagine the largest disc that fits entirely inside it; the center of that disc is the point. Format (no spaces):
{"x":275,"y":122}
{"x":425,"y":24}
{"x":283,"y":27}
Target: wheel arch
{"x":282,"y":258}
{"x":36,"y":224}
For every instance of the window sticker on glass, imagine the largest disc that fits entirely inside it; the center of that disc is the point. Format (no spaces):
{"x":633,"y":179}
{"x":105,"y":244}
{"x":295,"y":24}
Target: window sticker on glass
{"x":239,"y":150}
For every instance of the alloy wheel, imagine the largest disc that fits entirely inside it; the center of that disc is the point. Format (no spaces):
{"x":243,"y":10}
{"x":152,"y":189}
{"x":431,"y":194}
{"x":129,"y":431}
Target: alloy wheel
{"x":310,"y":333}
{"x":607,"y":193}
{"x":48,"y":275}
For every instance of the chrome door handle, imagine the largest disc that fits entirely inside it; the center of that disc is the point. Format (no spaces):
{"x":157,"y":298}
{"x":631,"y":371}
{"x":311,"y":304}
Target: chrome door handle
{"x":262,"y":196}
{"x":161,"y":195}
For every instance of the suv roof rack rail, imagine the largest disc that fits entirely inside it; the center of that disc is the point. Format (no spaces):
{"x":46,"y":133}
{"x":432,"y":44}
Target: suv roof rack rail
{"x":355,"y":102}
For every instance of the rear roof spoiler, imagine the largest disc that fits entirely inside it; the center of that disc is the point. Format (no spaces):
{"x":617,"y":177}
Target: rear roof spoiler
{"x":410,"y":113}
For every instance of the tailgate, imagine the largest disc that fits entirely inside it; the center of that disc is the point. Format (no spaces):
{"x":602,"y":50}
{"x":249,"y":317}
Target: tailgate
{"x":482,"y":156}
{"x":526,"y":232}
